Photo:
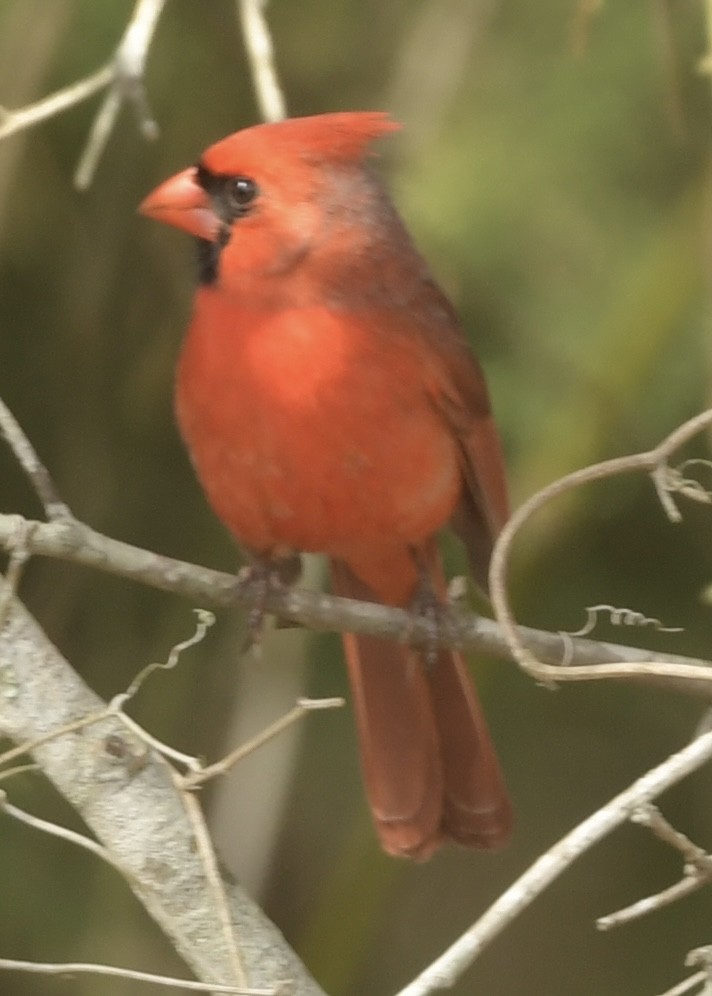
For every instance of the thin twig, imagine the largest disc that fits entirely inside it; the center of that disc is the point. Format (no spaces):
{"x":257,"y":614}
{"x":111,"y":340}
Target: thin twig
{"x":204,"y":621}
{"x":450,"y":966}
{"x":649,"y":904}
{"x":702,"y":957}
{"x":153,"y":743}
{"x":686,"y":985}
{"x":697,"y":870}
{"x":301,"y":709}
{"x":199,"y":774}
{"x":30,"y":746}
{"x":19,"y":555}
{"x":209,"y":861}
{"x":129,"y":64}
{"x":12,"y":122}
{"x":20,"y":769}
{"x":654,"y":463}
{"x":55,"y":830}
{"x":101,"y":129}
{"x":651,"y":817}
{"x":260,"y":51}
{"x":39,"y":476}
{"x":123,"y":74}
{"x":84,"y":968}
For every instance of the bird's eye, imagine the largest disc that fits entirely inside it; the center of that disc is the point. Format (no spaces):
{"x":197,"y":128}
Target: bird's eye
{"x":242,"y":192}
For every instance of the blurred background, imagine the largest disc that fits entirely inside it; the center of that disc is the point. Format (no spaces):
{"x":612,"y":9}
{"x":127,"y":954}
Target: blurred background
{"x":555,"y":169}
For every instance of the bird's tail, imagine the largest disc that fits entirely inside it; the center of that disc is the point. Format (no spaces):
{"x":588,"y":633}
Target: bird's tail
{"x":429,"y":766}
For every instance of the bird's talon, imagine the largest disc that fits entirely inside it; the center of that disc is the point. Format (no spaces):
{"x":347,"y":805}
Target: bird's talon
{"x":433,"y":616}
{"x":255,"y":583}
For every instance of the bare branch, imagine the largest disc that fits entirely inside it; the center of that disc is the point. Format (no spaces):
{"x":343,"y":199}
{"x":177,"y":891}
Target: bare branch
{"x":101,"y":130}
{"x":123,"y":74}
{"x":39,"y":476}
{"x":128,"y":64}
{"x":649,"y":904}
{"x":20,"y":769}
{"x":654,"y":463}
{"x":203,"y":844}
{"x":206,"y":853}
{"x":650,"y":816}
{"x":302,"y":708}
{"x":686,"y":985}
{"x":450,"y":966}
{"x":136,"y":812}
{"x":260,"y":52}
{"x":702,"y":956}
{"x":19,"y":555}
{"x":27,"y":117}
{"x":55,"y":830}
{"x":697,"y":870}
{"x":83,"y":968}
{"x":80,"y":544}
{"x":117,"y":747}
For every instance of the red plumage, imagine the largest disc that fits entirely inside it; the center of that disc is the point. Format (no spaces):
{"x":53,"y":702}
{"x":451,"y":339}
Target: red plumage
{"x":330,"y":403}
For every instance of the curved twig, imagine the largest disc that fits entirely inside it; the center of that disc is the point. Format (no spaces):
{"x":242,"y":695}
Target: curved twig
{"x":655,"y":463}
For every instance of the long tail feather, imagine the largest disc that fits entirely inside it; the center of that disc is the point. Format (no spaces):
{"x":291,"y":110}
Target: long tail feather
{"x":428,"y":763}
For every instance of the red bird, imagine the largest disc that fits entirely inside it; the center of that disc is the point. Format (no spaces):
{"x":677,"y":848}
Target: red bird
{"x":330,"y":403}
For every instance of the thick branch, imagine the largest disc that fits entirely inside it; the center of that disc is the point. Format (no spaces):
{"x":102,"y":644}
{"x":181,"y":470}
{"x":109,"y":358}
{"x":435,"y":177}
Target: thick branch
{"x":137,"y":814}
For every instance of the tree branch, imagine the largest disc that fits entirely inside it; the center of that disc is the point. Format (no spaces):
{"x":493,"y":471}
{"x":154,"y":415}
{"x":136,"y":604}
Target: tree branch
{"x":587,"y":659}
{"x":667,"y":482}
{"x":83,"y":968}
{"x":128,"y":65}
{"x":26,"y":455}
{"x":444,"y":972}
{"x":123,"y":74}
{"x":137,"y":813}
{"x":260,"y":52}
{"x":12,"y":122}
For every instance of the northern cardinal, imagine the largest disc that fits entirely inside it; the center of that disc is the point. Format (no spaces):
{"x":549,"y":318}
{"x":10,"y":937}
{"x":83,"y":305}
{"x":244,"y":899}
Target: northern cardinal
{"x":330,"y":403}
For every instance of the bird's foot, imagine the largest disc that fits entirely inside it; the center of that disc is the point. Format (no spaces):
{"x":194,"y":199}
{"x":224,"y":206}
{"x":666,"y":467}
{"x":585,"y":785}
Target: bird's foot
{"x":265,"y":576}
{"x":432,"y":614}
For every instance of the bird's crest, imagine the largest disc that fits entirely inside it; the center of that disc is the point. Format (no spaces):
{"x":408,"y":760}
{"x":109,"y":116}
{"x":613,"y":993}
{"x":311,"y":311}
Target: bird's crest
{"x":339,"y":137}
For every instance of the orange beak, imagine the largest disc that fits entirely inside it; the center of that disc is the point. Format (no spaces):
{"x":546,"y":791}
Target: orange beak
{"x":183,"y":203}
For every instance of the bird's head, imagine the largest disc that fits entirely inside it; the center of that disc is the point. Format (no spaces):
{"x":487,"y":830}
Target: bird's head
{"x":262,"y":199}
